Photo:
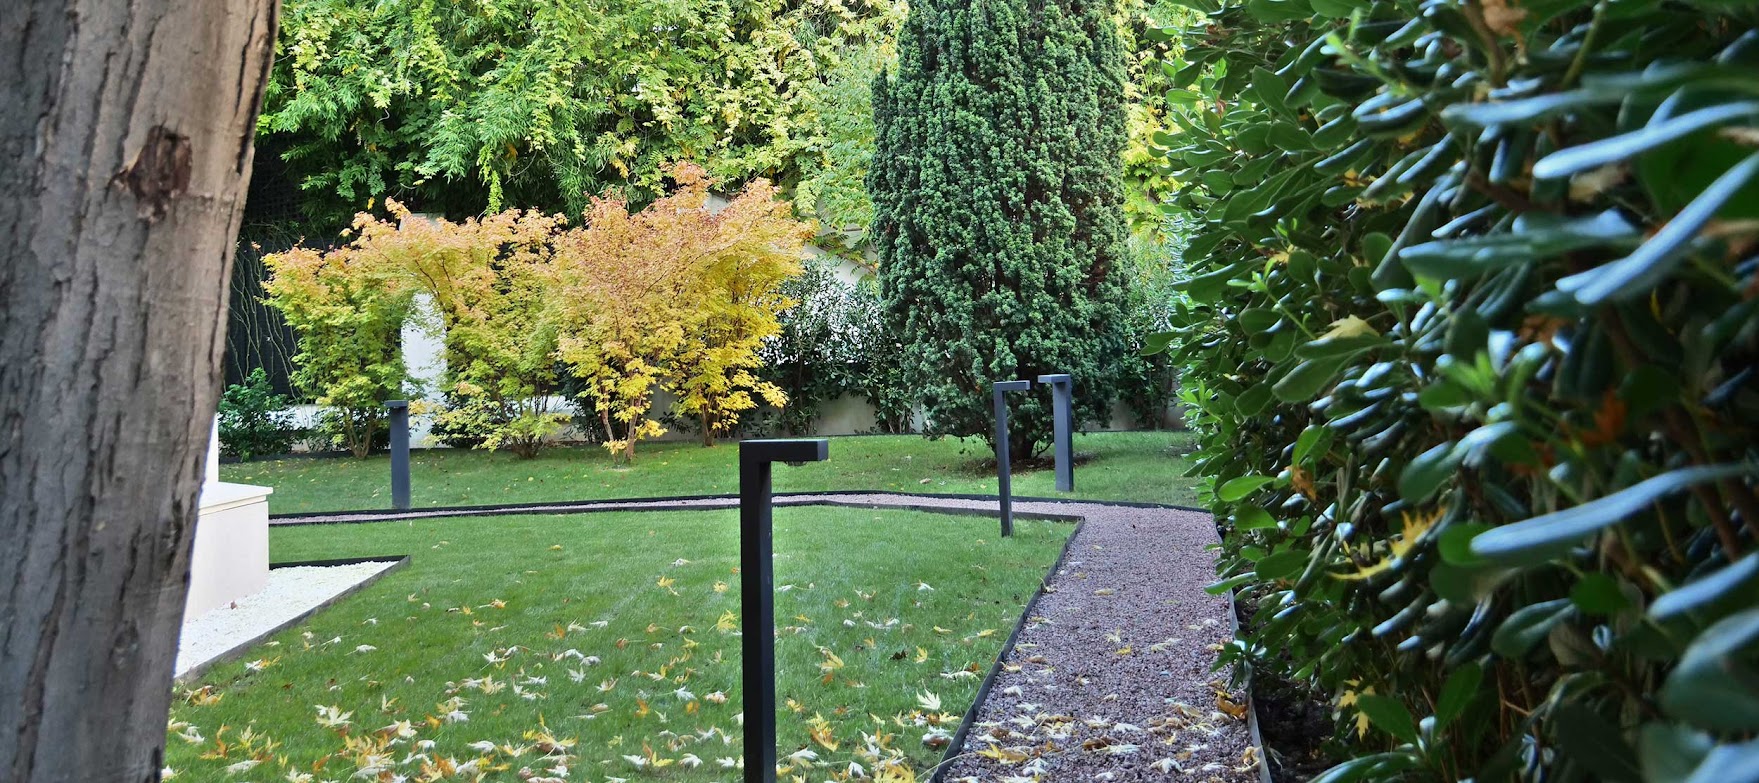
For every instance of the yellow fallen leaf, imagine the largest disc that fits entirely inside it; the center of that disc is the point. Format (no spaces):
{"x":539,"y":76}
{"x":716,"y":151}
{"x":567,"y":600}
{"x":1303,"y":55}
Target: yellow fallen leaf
{"x":1003,"y":755}
{"x":1349,"y":326}
{"x":1229,"y":706}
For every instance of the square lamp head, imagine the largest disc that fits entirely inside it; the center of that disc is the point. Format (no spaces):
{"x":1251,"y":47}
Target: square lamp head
{"x":794,"y":451}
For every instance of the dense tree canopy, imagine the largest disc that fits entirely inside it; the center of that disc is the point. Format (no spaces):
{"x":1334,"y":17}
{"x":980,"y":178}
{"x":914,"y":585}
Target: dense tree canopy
{"x":462,"y":108}
{"x":997,"y":187}
{"x":458,"y":106}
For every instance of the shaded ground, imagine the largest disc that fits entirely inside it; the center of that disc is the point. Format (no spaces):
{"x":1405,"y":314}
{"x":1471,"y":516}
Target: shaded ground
{"x":1295,"y":723}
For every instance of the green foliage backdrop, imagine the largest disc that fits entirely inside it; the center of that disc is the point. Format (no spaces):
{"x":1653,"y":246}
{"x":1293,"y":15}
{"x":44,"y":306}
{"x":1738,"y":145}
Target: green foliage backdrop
{"x":452,"y":106}
{"x":1471,"y":343}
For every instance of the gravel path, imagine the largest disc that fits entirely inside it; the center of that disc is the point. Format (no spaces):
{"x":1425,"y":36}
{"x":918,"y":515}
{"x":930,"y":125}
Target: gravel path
{"x":292,"y":593}
{"x":1109,"y":679}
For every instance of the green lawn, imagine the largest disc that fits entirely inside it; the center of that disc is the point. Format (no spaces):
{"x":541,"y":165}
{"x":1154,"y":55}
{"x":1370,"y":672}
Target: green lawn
{"x":604,"y":643}
{"x":1144,"y":466}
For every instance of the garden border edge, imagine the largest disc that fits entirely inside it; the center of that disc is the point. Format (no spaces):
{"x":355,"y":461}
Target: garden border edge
{"x":956,"y":746}
{"x":659,"y":503}
{"x":397,"y":562}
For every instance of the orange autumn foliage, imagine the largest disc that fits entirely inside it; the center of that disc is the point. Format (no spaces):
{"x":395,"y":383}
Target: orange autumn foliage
{"x":678,"y":296}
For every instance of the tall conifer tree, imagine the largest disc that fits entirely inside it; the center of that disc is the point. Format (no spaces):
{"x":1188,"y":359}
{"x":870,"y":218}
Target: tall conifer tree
{"x":997,"y":186}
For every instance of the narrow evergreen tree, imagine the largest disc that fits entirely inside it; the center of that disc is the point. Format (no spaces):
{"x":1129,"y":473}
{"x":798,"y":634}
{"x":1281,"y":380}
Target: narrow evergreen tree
{"x":997,"y":186}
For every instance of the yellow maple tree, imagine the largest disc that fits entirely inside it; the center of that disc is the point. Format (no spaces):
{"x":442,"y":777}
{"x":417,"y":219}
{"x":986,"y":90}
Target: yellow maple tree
{"x":677,"y":296}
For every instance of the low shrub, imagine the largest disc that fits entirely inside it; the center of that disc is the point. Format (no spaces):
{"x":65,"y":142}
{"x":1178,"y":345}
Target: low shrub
{"x":254,"y":420}
{"x":1471,"y":344}
{"x":347,"y":311}
{"x":833,"y":342}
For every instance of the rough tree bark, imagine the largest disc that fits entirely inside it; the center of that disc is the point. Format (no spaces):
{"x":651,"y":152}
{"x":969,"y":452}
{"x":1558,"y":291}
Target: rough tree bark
{"x":125,"y":149}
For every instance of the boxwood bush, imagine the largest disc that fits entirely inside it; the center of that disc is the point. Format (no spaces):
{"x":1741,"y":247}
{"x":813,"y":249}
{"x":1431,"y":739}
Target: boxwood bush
{"x":1471,"y":343}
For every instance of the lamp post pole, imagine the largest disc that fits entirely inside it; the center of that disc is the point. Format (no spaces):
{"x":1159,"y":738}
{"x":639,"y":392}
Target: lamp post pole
{"x":1004,"y":472}
{"x":399,"y":453}
{"x":1063,"y":428}
{"x":757,"y":593}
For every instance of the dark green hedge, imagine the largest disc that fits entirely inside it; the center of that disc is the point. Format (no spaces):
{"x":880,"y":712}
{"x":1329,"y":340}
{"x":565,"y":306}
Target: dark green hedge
{"x":1471,"y":340}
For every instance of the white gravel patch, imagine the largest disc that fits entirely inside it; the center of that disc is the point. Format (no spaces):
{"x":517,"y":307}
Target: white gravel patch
{"x":292,"y":592}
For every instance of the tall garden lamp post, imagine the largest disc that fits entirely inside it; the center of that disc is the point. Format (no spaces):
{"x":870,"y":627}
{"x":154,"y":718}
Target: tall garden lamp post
{"x":399,"y":453}
{"x":1004,"y":472}
{"x":1063,"y":427}
{"x":757,"y":593}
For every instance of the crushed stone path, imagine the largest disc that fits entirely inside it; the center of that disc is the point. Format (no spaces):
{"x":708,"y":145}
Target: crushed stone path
{"x":1110,"y":678}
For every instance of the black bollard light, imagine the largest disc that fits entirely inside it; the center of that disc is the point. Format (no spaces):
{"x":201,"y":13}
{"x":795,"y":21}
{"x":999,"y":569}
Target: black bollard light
{"x":1062,"y":428}
{"x":1004,"y":472}
{"x":399,"y":453}
{"x":757,"y":593}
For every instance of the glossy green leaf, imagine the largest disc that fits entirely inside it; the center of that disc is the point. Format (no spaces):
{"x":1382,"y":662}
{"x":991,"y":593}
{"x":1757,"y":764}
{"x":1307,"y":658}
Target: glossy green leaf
{"x":1276,"y":10}
{"x":1574,"y":524}
{"x":1524,"y":110}
{"x":1641,"y":270}
{"x":1379,"y":766}
{"x":1527,"y":626}
{"x":1218,"y":182}
{"x":1349,"y":771}
{"x":1455,"y":543}
{"x":1599,"y":594}
{"x":1310,"y":439}
{"x":1739,"y":579}
{"x":1227,"y":585}
{"x":1307,"y":379}
{"x":1283,"y":565}
{"x":1253,"y":401}
{"x":1732,"y":763}
{"x":1532,"y":240}
{"x":1288,"y":138}
{"x":1443,"y":394}
{"x":1595,"y":743}
{"x":1670,"y":752}
{"x":1428,"y":471}
{"x":1209,"y":286}
{"x":1257,"y":320}
{"x":1375,"y":246}
{"x":1157,"y":343}
{"x":1624,"y":146}
{"x":1253,"y":518}
{"x":1712,"y":687}
{"x":1269,"y":86}
{"x":1389,"y":715}
{"x":1239,"y":488}
{"x":1457,"y":693}
{"x":1340,"y":346}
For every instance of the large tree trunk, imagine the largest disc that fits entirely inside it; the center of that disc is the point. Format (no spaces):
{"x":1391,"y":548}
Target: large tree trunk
{"x":125,"y":149}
